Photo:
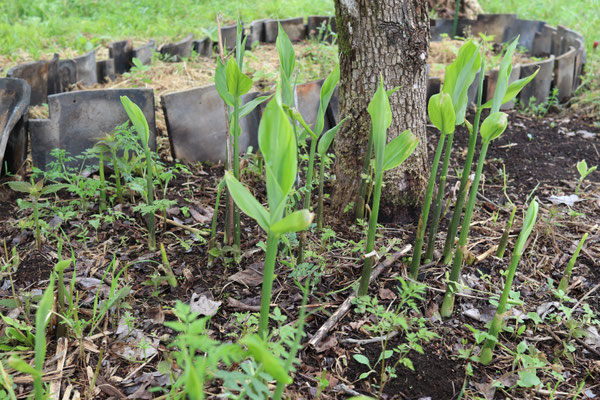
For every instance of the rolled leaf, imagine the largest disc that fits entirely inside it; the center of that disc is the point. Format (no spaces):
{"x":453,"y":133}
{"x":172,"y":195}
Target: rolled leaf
{"x":381,"y":119}
{"x":252,"y":104}
{"x":459,"y":76}
{"x":325,"y":97}
{"x":399,"y":149}
{"x":246,"y":201}
{"x":503,"y":76}
{"x":138,"y":119}
{"x":528,"y":224}
{"x":493,"y":126}
{"x":294,"y":222}
{"x":441,"y":112}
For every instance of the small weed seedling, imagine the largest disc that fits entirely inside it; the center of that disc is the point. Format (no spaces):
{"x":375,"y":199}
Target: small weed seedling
{"x":584,"y":171}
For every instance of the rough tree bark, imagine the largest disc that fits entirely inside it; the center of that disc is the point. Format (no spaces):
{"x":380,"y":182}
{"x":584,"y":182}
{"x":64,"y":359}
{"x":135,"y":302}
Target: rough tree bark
{"x":391,"y":38}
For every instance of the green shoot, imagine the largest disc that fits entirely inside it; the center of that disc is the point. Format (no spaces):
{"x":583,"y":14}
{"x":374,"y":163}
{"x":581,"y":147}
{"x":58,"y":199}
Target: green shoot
{"x":141,"y":126}
{"x":564,"y":282}
{"x":442,"y":115}
{"x":584,"y":171}
{"x":504,"y":239}
{"x":386,"y":158}
{"x":486,"y":354}
{"x":492,"y":128}
{"x":278,"y":146}
{"x":359,"y":205}
{"x":445,"y":112}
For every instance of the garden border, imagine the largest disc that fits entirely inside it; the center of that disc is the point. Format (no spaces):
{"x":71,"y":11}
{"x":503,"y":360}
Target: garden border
{"x":46,"y":80}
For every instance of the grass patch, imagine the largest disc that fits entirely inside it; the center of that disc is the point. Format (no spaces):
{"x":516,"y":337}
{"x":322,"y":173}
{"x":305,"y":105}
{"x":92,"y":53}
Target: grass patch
{"x":39,"y":27}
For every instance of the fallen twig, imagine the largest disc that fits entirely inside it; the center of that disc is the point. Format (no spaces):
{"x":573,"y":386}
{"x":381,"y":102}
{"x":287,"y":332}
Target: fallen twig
{"x":340,"y":312}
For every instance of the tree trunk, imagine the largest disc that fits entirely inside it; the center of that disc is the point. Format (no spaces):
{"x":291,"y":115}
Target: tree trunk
{"x":388,"y":38}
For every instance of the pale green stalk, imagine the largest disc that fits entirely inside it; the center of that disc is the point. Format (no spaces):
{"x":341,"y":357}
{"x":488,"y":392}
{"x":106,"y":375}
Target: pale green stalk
{"x":267,"y":285}
{"x":564,"y":282}
{"x":448,"y":303}
{"x":117,"y":176}
{"x":439,"y":199}
{"x":150,"y":200}
{"x":236,"y":168}
{"x":320,"y":201}
{"x":369,"y":260}
{"x":463,"y":188}
{"x":421,"y":227}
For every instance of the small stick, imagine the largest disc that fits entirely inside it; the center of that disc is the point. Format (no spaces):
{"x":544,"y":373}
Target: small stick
{"x":182,"y":226}
{"x":345,"y":307}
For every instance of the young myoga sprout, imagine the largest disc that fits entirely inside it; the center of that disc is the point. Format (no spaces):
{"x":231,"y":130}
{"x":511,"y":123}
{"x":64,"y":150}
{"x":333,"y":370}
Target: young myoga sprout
{"x":564,"y":282}
{"x":486,"y":355}
{"x":386,"y":157}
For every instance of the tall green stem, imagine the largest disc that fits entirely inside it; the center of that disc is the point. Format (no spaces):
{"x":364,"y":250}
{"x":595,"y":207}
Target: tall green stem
{"x":267,"y":286}
{"x":421,"y":227}
{"x":368,"y":265}
{"x":307,"y":193}
{"x":464,"y":179}
{"x":564,"y":282}
{"x":236,"y":169}
{"x":102,"y":181}
{"x":439,"y":199}
{"x":448,"y":304}
{"x":150,"y":201}
{"x":359,"y":205}
{"x":321,"y":184}
{"x":456,"y":14}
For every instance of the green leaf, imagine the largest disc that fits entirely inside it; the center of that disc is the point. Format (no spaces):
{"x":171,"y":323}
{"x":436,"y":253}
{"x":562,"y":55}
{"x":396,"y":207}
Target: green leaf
{"x":221,"y":83}
{"x":399,"y":149}
{"x":20,"y":365}
{"x":325,"y":97}
{"x":62,"y":265}
{"x":528,"y":224}
{"x":137,"y":119}
{"x":459,"y":76}
{"x":53,"y":188}
{"x":362,"y":360}
{"x":252,"y":104}
{"x":238,"y":84}
{"x":582,"y":168}
{"x":246,"y":202}
{"x":294,"y":222}
{"x":19,"y":186}
{"x":503,"y":76}
{"x":493,"y":126}
{"x":277,"y":143}
{"x":286,"y":52}
{"x":260,"y":351}
{"x":441,"y":112}
{"x":528,"y":378}
{"x":42,"y":317}
{"x":514,"y":89}
{"x":381,"y":119}
{"x":328,"y":137}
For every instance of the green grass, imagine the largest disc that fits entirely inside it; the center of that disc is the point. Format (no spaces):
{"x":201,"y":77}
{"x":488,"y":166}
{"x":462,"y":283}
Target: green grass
{"x":579,"y":15}
{"x":40,"y":27}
